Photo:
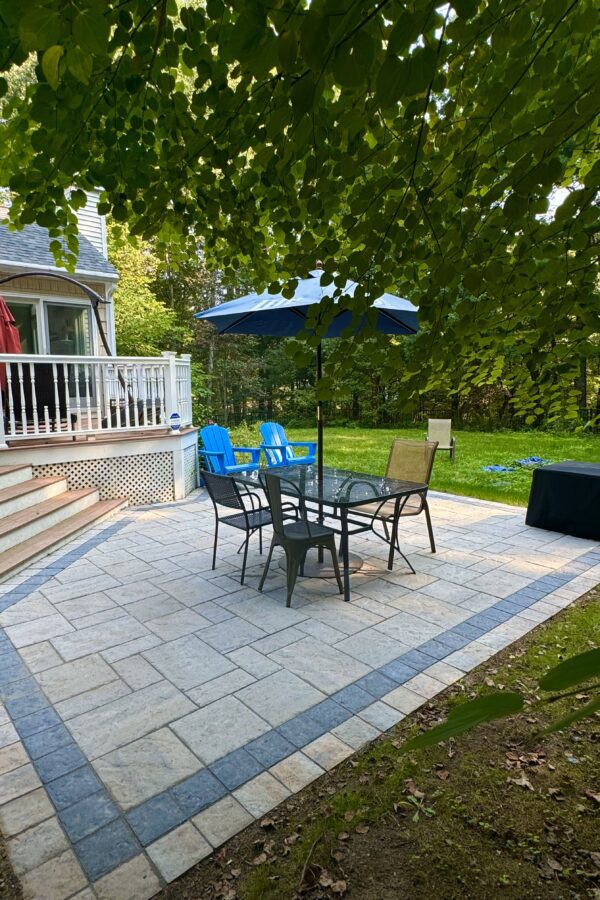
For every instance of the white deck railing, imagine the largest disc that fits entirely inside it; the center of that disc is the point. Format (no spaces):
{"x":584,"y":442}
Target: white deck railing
{"x":42,"y":396}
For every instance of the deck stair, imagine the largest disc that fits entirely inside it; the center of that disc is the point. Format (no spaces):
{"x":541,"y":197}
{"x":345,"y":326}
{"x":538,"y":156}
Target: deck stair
{"x":37,"y":515}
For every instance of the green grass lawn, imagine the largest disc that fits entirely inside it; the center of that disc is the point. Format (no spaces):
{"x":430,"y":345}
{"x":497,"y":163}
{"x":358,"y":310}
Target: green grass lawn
{"x":367,"y":450}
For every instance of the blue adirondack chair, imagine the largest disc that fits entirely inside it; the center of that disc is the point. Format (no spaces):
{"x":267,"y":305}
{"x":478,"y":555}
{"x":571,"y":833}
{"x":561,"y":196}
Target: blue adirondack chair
{"x":219,"y":454}
{"x":279,"y":451}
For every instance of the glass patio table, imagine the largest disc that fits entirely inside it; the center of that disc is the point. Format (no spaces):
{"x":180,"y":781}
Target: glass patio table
{"x":339,"y":496}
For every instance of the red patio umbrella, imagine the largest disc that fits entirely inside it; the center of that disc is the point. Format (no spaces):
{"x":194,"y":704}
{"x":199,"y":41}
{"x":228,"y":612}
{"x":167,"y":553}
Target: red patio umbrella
{"x":10,"y":341}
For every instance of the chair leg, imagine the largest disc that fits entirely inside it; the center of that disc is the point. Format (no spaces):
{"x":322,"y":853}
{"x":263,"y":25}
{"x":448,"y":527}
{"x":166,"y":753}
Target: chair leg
{"x":386,"y":529}
{"x":214,"y":562}
{"x":336,"y":565}
{"x":260,"y":540}
{"x":266,"y":568}
{"x":247,"y":541}
{"x":429,"y":526}
{"x":293,"y":564}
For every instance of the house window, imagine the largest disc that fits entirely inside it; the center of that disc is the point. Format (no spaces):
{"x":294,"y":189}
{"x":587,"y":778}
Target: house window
{"x":52,"y":327}
{"x":69,"y":330}
{"x":25,"y":316}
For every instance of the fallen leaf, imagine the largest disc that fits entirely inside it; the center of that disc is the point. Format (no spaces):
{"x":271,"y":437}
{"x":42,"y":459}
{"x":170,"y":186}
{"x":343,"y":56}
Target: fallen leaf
{"x":522,"y":781}
{"x":349,"y":815}
{"x":338,"y":855}
{"x":339,"y":887}
{"x":312,"y":873}
{"x":267,"y":822}
{"x":555,"y":794}
{"x":442,"y":774}
{"x":412,"y":789}
{"x":592,"y":795}
{"x":260,"y":859}
{"x":362,"y":829}
{"x":343,"y":836}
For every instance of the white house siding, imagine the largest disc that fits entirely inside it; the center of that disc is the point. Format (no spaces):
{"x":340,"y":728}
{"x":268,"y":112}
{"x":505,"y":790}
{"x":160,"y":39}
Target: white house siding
{"x":91,"y":225}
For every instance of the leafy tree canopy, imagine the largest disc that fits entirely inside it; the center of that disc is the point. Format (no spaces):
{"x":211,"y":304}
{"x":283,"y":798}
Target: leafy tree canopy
{"x":410,"y":146}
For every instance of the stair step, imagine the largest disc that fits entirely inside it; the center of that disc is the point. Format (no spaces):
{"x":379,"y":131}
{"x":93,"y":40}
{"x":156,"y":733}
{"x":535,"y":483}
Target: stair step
{"x":14,"y":474}
{"x":51,"y":538}
{"x":22,"y":525}
{"x":27,"y":493}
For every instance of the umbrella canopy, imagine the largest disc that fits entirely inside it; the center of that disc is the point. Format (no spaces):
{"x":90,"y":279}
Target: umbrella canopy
{"x":10,"y":341}
{"x":273,"y":314}
{"x":277,"y":316}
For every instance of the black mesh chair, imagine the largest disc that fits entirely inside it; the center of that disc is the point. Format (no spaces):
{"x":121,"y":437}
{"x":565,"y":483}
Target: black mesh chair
{"x":296,"y":538}
{"x":223,"y":491}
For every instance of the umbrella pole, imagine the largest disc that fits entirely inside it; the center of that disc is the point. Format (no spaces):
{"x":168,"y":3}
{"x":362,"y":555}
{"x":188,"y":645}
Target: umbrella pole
{"x":319,"y":418}
{"x":320,"y":440}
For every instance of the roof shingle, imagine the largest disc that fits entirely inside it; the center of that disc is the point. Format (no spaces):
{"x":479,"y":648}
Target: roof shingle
{"x":31,"y":247}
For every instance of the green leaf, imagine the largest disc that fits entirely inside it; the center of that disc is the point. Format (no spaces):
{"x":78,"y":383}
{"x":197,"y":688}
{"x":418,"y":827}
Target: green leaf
{"x":468,"y":715}
{"x":572,"y":671}
{"x":287,"y":50}
{"x":303,"y":96}
{"x":91,"y":31}
{"x":3,"y":87}
{"x":39,"y":28}
{"x":50,"y":64}
{"x":576,"y":716}
{"x":79,"y":63}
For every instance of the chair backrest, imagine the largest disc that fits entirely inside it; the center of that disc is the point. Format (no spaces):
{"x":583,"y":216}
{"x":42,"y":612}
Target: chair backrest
{"x":411,"y":460}
{"x":216,"y":438}
{"x":222,"y":490}
{"x":271,"y":485}
{"x":273,"y":433}
{"x":440,"y":430}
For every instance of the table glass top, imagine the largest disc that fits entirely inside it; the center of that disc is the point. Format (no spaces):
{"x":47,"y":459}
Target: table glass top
{"x":340,"y":487}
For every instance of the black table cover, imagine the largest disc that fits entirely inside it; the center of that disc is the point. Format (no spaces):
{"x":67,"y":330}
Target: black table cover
{"x":565,"y":497}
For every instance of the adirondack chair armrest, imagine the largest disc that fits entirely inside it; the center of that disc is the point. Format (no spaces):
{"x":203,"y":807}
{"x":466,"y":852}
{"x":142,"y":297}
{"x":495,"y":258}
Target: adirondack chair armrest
{"x":311,"y":445}
{"x":203,"y":452}
{"x":264,"y":446}
{"x":255,"y":451}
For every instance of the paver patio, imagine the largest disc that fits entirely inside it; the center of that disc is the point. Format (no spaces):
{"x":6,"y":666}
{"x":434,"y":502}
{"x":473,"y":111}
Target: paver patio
{"x":152,"y":708}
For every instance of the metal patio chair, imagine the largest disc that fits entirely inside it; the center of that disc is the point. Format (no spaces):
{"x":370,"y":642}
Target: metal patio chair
{"x":296,"y":538}
{"x":408,"y":461}
{"x":223,"y":491}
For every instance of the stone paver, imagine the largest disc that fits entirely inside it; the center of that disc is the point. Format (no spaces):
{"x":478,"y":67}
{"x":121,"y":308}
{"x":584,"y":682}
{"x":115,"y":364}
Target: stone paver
{"x":145,"y":767}
{"x":177,"y":851}
{"x":62,"y":682}
{"x":134,"y":880}
{"x":37,"y":845}
{"x":279,"y":696}
{"x":56,"y":879}
{"x":217,"y":729}
{"x":24,"y":812}
{"x":154,"y":707}
{"x":324,"y":667}
{"x":114,"y":724}
{"x":222,"y":820}
{"x":188,"y":661}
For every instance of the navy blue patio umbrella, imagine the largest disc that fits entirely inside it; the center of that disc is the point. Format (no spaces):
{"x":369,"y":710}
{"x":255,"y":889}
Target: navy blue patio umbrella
{"x":277,"y":316}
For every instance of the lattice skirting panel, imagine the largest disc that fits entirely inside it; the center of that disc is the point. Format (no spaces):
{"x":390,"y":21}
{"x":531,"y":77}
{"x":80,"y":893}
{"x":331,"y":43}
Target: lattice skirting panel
{"x":144,"y":478}
{"x":189,"y":467}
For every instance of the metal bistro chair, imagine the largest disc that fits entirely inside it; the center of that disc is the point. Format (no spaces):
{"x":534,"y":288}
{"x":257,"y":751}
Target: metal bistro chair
{"x":408,"y":461}
{"x":223,"y":491}
{"x":296,"y":538}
